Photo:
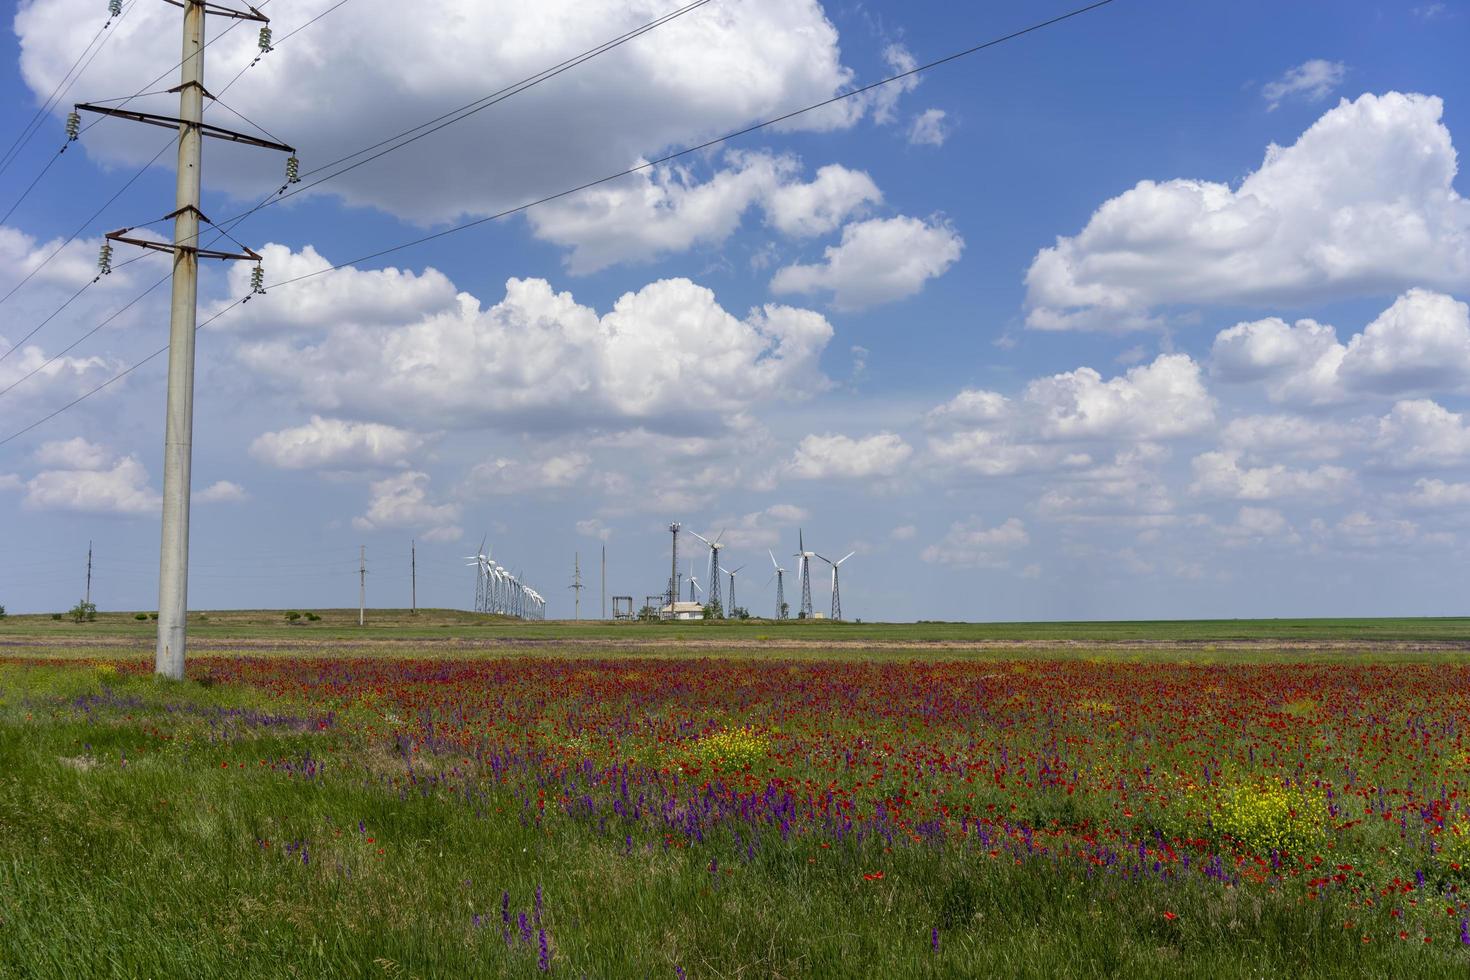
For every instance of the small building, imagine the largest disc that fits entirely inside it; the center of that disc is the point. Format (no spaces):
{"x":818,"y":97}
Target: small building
{"x":682,"y":610}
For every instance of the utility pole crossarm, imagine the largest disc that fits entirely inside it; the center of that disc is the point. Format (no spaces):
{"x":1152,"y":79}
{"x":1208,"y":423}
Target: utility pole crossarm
{"x":213,"y":8}
{"x":174,"y":122}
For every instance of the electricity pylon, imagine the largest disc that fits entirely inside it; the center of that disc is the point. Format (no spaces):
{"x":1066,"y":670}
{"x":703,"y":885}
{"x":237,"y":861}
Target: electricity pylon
{"x":178,"y":446}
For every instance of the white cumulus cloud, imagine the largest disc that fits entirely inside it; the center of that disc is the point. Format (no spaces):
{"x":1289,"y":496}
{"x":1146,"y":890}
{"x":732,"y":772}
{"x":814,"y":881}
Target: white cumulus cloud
{"x":928,"y":128}
{"x":1364,"y":201}
{"x":90,"y":479}
{"x":1419,"y":345}
{"x":325,"y":443}
{"x":970,"y":544}
{"x":222,"y":492}
{"x":878,"y":261}
{"x":1221,"y":474}
{"x":666,"y":210}
{"x":829,"y":456}
{"x":402,"y":501}
{"x":696,"y":77}
{"x":1310,"y":81}
{"x":668,"y":351}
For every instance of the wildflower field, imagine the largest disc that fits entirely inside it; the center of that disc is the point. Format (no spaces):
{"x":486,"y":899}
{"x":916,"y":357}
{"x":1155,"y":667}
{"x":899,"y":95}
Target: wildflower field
{"x":1095,"y":814}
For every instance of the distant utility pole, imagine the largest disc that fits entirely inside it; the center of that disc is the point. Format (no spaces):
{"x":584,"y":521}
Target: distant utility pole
{"x":413,"y":566}
{"x":361,"y":584}
{"x":88,"y":599}
{"x":604,"y":581}
{"x":577,"y":583}
{"x":173,"y":573}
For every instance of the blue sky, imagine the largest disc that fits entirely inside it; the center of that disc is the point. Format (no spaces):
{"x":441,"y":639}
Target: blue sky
{"x":1048,"y":334}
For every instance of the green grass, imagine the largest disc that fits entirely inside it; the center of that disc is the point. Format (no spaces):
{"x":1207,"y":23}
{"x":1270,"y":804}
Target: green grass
{"x":131,"y":845}
{"x":399,"y":625}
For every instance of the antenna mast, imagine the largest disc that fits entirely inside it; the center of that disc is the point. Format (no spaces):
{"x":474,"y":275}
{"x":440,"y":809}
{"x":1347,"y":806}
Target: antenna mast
{"x":674,"y":568}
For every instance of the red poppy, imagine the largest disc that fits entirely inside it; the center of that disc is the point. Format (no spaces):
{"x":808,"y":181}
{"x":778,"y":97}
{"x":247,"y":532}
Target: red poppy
{"x":1170,"y":916}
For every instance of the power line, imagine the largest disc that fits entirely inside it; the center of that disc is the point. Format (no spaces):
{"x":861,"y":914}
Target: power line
{"x":31,"y":127}
{"x":144,"y":169}
{"x":123,"y":102}
{"x":508,"y":212}
{"x":279,"y":195}
{"x":461,"y":113}
{"x":974,"y":49}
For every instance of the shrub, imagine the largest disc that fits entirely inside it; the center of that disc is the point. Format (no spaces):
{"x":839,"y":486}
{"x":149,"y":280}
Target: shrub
{"x":313,"y":617}
{"x":141,"y":617}
{"x":292,"y":616}
{"x":737,"y":749}
{"x":83,"y":612}
{"x":2,"y":612}
{"x":1272,"y":818}
{"x":56,"y":617}
{"x":1453,"y":846}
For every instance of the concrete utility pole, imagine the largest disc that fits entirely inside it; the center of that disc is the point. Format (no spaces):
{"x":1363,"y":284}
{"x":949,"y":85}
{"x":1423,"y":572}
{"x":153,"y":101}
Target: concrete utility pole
{"x":604,"y":581}
{"x":88,"y":599}
{"x":413,"y":571}
{"x":178,"y":438}
{"x":178,"y":441}
{"x":361,"y":584}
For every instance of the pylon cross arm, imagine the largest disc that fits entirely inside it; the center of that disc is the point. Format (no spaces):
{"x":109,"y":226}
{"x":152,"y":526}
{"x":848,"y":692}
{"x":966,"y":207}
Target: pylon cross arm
{"x":249,"y":13}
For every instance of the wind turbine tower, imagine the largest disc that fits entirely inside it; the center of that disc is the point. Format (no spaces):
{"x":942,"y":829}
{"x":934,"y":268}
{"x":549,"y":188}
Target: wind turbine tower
{"x":780,"y":578}
{"x":836,"y":591}
{"x":731,"y":573}
{"x":804,"y":572}
{"x":713,"y":593}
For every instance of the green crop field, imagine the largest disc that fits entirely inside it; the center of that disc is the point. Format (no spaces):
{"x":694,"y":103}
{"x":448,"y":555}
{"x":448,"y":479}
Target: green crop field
{"x":432,"y":795}
{"x":436,"y":624}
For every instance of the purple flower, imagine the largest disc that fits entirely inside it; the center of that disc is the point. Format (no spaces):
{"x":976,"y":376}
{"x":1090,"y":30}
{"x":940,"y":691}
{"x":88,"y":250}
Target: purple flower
{"x":1465,"y":931}
{"x":505,"y":907}
{"x":934,"y":939}
{"x":679,"y":972}
{"x":545,"y":961}
{"x":525,"y":925}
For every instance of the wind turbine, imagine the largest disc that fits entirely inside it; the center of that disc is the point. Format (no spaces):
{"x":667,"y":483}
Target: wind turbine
{"x":804,"y":572}
{"x":479,"y":559}
{"x":731,"y":573}
{"x":780,"y":577}
{"x":714,"y":565}
{"x":836,"y":594}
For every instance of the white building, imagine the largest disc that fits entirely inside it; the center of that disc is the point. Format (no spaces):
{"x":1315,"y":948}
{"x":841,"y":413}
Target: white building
{"x":683,"y":610}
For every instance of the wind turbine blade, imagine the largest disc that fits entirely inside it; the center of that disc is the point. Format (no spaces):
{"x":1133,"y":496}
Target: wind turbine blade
{"x":774,"y":562}
{"x":768,"y":582}
{"x":845,"y":557}
{"x":720,"y":535}
{"x":700,"y":536}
